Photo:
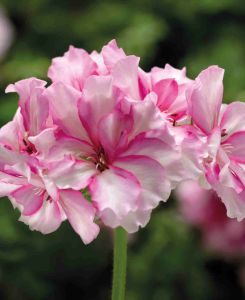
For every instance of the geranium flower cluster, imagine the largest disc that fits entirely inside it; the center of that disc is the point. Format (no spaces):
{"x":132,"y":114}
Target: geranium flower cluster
{"x":126,"y":137}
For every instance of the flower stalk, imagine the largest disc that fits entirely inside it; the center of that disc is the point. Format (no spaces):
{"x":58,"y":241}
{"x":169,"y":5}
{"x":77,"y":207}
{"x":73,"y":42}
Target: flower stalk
{"x":119,"y":264}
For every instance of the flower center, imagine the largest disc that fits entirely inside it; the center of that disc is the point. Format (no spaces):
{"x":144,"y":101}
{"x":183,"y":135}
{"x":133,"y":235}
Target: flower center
{"x":28,"y":146}
{"x":100,"y":162}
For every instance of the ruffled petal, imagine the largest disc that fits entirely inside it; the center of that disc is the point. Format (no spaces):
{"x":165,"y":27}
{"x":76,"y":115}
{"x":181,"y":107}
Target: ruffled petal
{"x":151,"y":176}
{"x":233,"y":118}
{"x":63,"y":101}
{"x":73,"y":68}
{"x":98,"y":100}
{"x":205,"y":98}
{"x":72,"y":174}
{"x":167,"y":91}
{"x":115,"y":190}
{"x":80,"y":213}
{"x":30,"y":198}
{"x":47,"y":219}
{"x":34,"y":106}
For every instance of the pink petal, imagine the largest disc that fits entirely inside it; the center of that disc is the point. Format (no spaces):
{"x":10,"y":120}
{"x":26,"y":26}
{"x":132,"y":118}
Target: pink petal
{"x":146,"y":117}
{"x":162,"y":152}
{"x":206,"y":97}
{"x":98,"y":59}
{"x":69,"y":146}
{"x":234,"y":202}
{"x":72,"y":174}
{"x":12,"y":132}
{"x":234,"y":146}
{"x":46,"y":220}
{"x":73,"y":68}
{"x":63,"y":101}
{"x":34,"y":106}
{"x":80,"y":213}
{"x":113,"y":132}
{"x":44,"y":141}
{"x":125,"y":76}
{"x":7,"y":188}
{"x":233,"y":118}
{"x":97,"y":101}
{"x":169,"y":72}
{"x":136,"y":219}
{"x":30,"y":197}
{"x":115,"y":190}
{"x":167,"y":91}
{"x":151,"y":176}
{"x":112,"y":54}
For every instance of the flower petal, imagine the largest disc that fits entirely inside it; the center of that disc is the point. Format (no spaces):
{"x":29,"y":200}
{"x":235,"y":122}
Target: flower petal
{"x":72,"y":174}
{"x":46,"y":220}
{"x":80,"y":213}
{"x":125,"y":76}
{"x":167,"y":91}
{"x":234,"y":145}
{"x":7,"y":188}
{"x":30,"y":197}
{"x":151,"y":176}
{"x":115,"y":190}
{"x":233,"y":118}
{"x":205,"y":98}
{"x":97,"y":101}
{"x":73,"y":68}
{"x":63,"y":101}
{"x":112,"y":54}
{"x":113,"y":132}
{"x":34,"y":106}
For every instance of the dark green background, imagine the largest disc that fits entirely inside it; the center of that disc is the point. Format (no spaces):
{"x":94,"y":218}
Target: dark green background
{"x":166,"y":259}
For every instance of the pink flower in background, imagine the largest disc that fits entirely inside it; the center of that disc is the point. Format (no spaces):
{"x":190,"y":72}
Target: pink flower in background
{"x":24,"y":175}
{"x":203,"y":209}
{"x":6,"y":33}
{"x":222,"y":130}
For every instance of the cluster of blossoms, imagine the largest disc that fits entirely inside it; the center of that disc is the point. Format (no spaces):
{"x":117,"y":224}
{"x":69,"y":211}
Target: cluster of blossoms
{"x":125,"y":136}
{"x":204,"y":210}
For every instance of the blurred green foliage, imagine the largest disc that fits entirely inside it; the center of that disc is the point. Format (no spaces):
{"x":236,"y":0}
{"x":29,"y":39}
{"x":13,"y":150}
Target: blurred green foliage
{"x":166,"y":259}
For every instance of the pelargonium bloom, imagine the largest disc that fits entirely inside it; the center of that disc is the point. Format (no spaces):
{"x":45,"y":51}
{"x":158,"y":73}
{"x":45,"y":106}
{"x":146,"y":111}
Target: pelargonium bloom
{"x":113,"y":146}
{"x":222,"y":130}
{"x":204,"y":209}
{"x":24,"y":175}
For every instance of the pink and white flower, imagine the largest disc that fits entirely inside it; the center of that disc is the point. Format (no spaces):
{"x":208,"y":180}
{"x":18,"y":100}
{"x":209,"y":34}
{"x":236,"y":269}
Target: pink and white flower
{"x":113,"y":145}
{"x":222,"y":129}
{"x":25,"y":176}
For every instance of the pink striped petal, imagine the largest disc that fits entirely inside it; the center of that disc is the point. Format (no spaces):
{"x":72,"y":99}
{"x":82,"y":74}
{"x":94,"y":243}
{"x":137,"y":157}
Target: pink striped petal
{"x":72,"y":174}
{"x":98,"y":100}
{"x":115,"y":190}
{"x":34,"y":106}
{"x":167,"y":91}
{"x":112,"y":54}
{"x":80,"y":213}
{"x":46,"y":220}
{"x":30,"y":197}
{"x":73,"y":68}
{"x":151,"y":176}
{"x":206,"y":97}
{"x":234,"y":146}
{"x":125,"y":76}
{"x":233,"y":118}
{"x":63,"y":101}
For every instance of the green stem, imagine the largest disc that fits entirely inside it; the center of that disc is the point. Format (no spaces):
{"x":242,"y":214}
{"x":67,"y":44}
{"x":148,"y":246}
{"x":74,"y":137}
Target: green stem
{"x":119,"y":264}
